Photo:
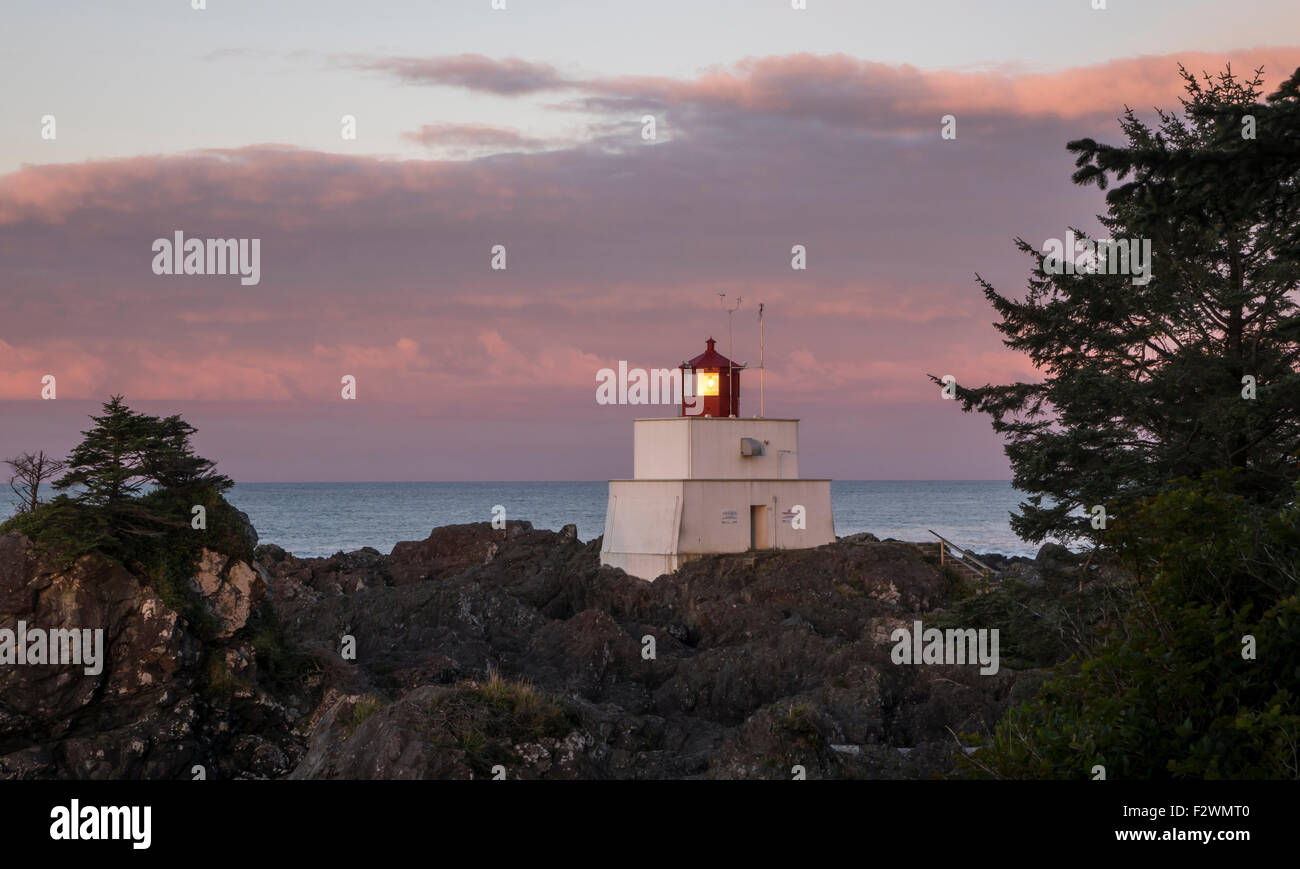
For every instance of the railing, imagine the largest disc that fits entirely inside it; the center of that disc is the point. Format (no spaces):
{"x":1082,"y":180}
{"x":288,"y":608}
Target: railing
{"x":965,"y":557}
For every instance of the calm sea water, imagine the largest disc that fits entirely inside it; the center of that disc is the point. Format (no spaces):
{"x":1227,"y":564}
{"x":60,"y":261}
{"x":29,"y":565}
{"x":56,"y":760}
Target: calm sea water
{"x":323,"y":518}
{"x":318,"y":519}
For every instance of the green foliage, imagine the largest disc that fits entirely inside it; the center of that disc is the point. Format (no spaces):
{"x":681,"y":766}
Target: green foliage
{"x":486,"y":720}
{"x":1204,"y":541}
{"x":171,"y":462}
{"x":362,"y":709}
{"x":281,"y":665}
{"x":520,"y":710}
{"x":108,"y":464}
{"x":134,"y":481}
{"x":1167,"y":693}
{"x":798,"y":727}
{"x":1142,"y":383}
{"x":1037,"y":626}
{"x":63,"y":530}
{"x":123,"y":455}
{"x":218,"y":682}
{"x":1141,"y":410}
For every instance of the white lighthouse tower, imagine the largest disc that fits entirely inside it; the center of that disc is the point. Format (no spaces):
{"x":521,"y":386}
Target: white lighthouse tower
{"x":709,"y":482}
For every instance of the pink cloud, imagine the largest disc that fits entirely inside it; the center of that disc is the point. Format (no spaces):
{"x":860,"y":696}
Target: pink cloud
{"x":466,"y":136}
{"x":510,"y":76}
{"x":846,"y":90}
{"x":22,"y":369}
{"x":380,"y":268}
{"x":840,"y":89}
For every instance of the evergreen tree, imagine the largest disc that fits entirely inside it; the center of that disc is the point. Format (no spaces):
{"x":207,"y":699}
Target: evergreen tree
{"x":1146,"y":382}
{"x":109,"y":463}
{"x":172,"y":464}
{"x":126,"y":452}
{"x":130,"y":491}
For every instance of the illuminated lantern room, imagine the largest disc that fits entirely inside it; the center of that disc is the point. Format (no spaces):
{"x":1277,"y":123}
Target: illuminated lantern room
{"x":717,"y":385}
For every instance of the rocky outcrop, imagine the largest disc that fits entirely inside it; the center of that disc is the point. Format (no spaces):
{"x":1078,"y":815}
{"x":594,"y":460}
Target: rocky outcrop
{"x":163,"y":701}
{"x":440,"y":732}
{"x":446,"y":552}
{"x":729,"y":668}
{"x":229,"y":589}
{"x":481,"y":652}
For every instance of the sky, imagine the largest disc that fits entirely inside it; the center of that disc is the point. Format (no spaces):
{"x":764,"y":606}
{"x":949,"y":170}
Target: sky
{"x":124,"y":122}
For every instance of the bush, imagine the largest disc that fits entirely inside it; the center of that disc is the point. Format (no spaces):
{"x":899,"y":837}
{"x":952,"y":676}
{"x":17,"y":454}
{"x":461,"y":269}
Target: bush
{"x":486,"y":720}
{"x":63,"y":530}
{"x":362,"y":709}
{"x":1167,"y":692}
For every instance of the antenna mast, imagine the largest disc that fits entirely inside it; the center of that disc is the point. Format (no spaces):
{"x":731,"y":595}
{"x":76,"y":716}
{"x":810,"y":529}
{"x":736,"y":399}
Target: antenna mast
{"x":731,"y":349}
{"x":761,"y":367}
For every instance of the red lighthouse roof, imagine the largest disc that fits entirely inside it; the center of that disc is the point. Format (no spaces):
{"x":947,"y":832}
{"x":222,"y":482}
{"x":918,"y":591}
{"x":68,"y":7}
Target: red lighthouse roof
{"x":711,"y":358}
{"x":716,"y":388}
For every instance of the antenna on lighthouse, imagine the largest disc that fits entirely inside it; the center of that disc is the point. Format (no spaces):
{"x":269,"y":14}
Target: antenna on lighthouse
{"x":731,"y":350}
{"x":761,"y":367}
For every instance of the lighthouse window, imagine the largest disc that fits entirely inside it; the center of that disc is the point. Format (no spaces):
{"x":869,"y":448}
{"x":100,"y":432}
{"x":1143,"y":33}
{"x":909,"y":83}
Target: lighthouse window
{"x":708,"y":383}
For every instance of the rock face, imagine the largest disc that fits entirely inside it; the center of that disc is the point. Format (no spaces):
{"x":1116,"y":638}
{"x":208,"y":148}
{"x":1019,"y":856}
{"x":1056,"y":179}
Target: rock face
{"x":149,"y":712}
{"x":230,"y":591}
{"x":736,"y":666}
{"x":445,"y":552}
{"x":482,"y":652}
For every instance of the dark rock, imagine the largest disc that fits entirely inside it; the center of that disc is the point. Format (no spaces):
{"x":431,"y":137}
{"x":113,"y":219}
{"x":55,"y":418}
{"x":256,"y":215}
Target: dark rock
{"x":246,"y":528}
{"x":438,"y":732}
{"x":480,"y":646}
{"x":1054,"y":553}
{"x":449,"y":550}
{"x":168,"y":694}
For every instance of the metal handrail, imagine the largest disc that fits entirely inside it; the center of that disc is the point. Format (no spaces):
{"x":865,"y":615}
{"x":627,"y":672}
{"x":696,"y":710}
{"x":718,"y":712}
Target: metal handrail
{"x":962,"y":552}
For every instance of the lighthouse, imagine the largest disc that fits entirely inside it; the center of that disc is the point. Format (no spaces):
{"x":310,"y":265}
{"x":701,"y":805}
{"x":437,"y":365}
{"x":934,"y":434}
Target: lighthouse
{"x":710,"y":481}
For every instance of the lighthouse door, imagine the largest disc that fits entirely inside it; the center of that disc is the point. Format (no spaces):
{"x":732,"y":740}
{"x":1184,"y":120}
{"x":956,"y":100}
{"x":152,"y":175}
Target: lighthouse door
{"x":758,"y":527}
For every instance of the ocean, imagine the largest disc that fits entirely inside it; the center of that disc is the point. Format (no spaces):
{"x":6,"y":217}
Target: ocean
{"x":319,"y":519}
{"x":310,"y":519}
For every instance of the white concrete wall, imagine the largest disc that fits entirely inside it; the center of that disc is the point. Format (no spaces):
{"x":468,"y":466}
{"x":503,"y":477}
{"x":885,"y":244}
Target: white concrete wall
{"x":711,"y":516}
{"x":642,"y":526}
{"x":709,"y":449}
{"x":706,"y":517}
{"x":638,"y":518}
{"x":661,"y":449}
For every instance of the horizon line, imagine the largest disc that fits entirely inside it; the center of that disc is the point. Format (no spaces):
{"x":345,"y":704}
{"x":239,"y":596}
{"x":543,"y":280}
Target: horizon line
{"x":604,"y":480}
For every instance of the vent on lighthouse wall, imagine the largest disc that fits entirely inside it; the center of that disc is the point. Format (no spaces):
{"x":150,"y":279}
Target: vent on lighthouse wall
{"x":751,"y":447}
